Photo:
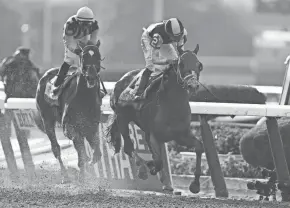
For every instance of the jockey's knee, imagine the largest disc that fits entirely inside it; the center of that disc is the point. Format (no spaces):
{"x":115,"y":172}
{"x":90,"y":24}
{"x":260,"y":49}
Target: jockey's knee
{"x":69,"y":61}
{"x":150,"y":67}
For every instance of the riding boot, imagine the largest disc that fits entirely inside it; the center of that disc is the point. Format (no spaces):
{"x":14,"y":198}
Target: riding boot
{"x":61,"y":74}
{"x":142,"y":85}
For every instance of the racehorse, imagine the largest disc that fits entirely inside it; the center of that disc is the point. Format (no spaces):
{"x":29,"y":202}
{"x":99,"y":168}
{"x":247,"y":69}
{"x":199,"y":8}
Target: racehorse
{"x":76,"y":105}
{"x":164,"y":115}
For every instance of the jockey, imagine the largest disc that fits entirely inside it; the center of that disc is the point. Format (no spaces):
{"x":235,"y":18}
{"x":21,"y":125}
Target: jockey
{"x":20,"y":58}
{"x":161,"y":44}
{"x":78,"y":30}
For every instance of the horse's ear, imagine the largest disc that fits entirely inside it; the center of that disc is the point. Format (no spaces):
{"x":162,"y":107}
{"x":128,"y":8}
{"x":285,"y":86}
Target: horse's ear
{"x":98,"y":43}
{"x":196,"y":49}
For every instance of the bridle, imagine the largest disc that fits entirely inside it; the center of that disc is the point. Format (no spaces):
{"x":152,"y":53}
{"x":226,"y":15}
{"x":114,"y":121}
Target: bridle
{"x":96,"y":67}
{"x":184,"y":82}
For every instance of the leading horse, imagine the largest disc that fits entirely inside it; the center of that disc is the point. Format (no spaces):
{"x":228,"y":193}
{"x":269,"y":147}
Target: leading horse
{"x":164,"y":116}
{"x":76,"y":106}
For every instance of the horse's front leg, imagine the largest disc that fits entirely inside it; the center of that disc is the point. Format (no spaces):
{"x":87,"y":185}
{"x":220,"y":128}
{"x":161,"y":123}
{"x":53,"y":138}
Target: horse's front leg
{"x":156,"y":164}
{"x":50,"y":131}
{"x":192,"y":142}
{"x":80,"y":148}
{"x":94,"y":141}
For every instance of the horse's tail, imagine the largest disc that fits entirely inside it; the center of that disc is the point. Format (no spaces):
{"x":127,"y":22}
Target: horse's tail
{"x":113,"y":134}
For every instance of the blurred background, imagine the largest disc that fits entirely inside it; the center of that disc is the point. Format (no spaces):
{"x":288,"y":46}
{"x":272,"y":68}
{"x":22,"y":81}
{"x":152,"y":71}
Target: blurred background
{"x":241,"y":41}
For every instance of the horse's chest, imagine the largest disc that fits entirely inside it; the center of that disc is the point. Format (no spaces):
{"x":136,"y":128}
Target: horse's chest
{"x":171,"y":128}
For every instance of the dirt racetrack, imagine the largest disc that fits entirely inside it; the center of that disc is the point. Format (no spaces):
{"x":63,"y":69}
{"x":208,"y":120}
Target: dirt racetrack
{"x":46,"y":191}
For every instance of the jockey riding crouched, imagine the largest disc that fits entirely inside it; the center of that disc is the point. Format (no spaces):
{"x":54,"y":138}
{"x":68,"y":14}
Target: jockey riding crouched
{"x":161,"y":44}
{"x":20,"y":58}
{"x":78,"y":30}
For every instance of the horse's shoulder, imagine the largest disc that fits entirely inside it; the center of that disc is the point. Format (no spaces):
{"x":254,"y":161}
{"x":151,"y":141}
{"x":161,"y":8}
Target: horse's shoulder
{"x":121,"y":85}
{"x":127,"y":78}
{"x":50,"y":72}
{"x":48,"y":75}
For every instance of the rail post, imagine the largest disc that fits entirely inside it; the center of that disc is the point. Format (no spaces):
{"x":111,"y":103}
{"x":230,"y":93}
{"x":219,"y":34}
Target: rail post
{"x":212,"y":159}
{"x":21,"y":136}
{"x":5,"y":133}
{"x":277,"y":149}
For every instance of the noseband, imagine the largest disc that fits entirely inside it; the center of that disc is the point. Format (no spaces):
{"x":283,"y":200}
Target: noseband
{"x":95,"y":66}
{"x":184,"y":82}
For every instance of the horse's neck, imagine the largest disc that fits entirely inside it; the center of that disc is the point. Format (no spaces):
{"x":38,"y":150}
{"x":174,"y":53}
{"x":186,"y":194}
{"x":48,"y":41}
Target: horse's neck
{"x":88,"y":94}
{"x":174,"y":93}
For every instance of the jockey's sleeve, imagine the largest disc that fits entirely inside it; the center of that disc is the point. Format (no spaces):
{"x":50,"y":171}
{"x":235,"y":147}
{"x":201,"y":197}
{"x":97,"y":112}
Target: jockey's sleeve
{"x":69,"y":31}
{"x":156,"y":44}
{"x":70,"y":43}
{"x":94,"y":32}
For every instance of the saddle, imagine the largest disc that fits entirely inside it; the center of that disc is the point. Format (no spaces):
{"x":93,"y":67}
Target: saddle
{"x":127,"y":96}
{"x":53,"y":93}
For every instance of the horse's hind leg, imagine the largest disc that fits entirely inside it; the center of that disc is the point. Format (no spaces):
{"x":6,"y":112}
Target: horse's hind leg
{"x":123,"y":125}
{"x":155,"y":146}
{"x":129,"y":149}
{"x":50,"y":131}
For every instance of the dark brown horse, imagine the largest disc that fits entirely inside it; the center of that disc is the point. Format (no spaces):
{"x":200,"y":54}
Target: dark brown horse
{"x":165,"y":115}
{"x":77,"y":106}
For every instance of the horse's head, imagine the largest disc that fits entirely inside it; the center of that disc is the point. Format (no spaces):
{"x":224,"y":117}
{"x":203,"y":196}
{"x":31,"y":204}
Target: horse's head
{"x":188,"y":70}
{"x":91,"y":64}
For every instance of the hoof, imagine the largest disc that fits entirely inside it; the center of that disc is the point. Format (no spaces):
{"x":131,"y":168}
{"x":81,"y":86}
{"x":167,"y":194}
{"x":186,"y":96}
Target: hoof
{"x":65,"y":180}
{"x":251,"y":185}
{"x":167,"y":189}
{"x":153,"y":171}
{"x":92,"y":163}
{"x":194,"y":188}
{"x":96,"y":158}
{"x":90,"y":169}
{"x":142,"y":173}
{"x":81,"y":178}
{"x":138,"y":163}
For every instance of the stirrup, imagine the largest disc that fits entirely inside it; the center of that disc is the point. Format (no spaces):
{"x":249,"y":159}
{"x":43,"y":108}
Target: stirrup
{"x":139,"y":97}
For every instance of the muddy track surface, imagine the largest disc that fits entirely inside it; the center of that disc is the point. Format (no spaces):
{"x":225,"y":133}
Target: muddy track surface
{"x":47,"y":191}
